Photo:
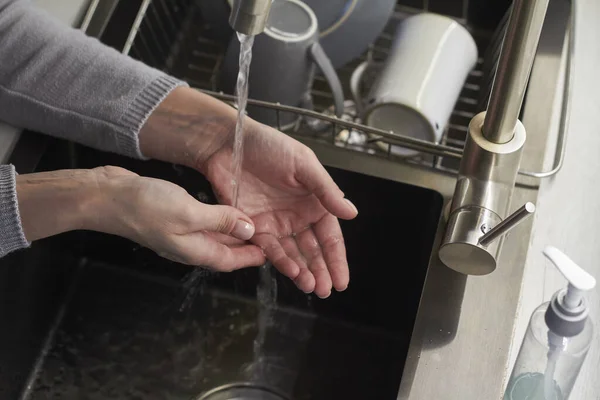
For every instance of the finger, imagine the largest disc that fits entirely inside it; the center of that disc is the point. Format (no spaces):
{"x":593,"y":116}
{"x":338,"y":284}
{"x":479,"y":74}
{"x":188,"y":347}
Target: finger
{"x":329,"y":235}
{"x":290,"y":246}
{"x":220,"y":219}
{"x":275,"y":253}
{"x":311,"y":249}
{"x":305,"y":280}
{"x":315,"y":178}
{"x":202,"y":250}
{"x":226,"y":239}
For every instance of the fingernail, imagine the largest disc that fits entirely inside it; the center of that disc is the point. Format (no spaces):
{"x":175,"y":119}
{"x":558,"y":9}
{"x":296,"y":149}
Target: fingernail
{"x":243,"y":230}
{"x":352,"y":205}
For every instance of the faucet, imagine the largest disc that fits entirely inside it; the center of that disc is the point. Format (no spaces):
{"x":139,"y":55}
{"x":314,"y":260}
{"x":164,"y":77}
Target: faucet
{"x":477,"y":222}
{"x":249,"y":16}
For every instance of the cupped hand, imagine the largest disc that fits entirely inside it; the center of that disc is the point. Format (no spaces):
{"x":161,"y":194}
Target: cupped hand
{"x":292,"y":200}
{"x":294,"y":203}
{"x":165,"y":218}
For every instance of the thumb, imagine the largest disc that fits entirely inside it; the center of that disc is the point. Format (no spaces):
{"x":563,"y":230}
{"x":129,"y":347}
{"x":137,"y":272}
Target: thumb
{"x":226,"y":220}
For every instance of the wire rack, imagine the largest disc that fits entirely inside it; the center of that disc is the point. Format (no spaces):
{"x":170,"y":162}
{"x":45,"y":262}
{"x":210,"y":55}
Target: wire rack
{"x":173,"y":35}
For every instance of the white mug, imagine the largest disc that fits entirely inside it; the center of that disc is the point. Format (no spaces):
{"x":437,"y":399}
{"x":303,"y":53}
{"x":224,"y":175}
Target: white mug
{"x":421,"y":80}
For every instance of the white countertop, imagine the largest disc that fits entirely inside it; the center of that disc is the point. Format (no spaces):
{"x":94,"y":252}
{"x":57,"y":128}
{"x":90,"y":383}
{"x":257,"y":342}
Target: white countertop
{"x":568,"y":213}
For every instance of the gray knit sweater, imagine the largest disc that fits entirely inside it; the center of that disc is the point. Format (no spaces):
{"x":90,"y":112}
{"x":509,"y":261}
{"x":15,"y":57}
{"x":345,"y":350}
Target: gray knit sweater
{"x":56,"y":80}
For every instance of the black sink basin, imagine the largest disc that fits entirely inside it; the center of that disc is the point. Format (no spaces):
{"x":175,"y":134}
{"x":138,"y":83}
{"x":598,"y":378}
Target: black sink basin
{"x":91,"y":316}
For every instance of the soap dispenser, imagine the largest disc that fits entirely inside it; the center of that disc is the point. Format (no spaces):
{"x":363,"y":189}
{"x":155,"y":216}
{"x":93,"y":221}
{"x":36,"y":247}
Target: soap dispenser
{"x":557,"y":341}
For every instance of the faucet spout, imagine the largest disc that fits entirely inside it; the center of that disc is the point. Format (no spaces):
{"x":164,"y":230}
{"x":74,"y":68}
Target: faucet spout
{"x":514,"y":67}
{"x":250,"y":16}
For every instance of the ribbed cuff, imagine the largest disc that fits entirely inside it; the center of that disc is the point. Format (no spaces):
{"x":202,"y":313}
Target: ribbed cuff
{"x":12,"y":236}
{"x":139,"y":111}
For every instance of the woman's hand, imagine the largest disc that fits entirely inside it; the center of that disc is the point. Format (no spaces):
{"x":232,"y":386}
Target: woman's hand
{"x":154,"y":213}
{"x":293,"y":202}
{"x":290,"y":197}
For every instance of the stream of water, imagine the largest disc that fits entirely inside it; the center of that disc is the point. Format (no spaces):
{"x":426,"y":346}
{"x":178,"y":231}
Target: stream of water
{"x":267,"y":285}
{"x":266,"y":293}
{"x":241,"y":94}
{"x":195,"y":280}
{"x":266,"y":289}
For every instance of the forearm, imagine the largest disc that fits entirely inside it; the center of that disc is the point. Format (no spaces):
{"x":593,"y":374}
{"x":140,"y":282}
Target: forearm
{"x":40,"y":205}
{"x":56,"y":80}
{"x":187,"y":119}
{"x":51,"y":203}
{"x":36,"y":206}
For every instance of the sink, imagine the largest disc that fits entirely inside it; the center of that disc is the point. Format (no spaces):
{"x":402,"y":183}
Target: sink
{"x":92,"y":316}
{"x":88,"y":315}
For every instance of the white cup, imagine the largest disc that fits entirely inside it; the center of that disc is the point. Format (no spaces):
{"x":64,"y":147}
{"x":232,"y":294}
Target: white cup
{"x":421,"y":80}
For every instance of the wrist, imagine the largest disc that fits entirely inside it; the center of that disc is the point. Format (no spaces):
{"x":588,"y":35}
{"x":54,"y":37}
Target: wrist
{"x":51,"y":203}
{"x":187,"y":128}
{"x":112,"y":201}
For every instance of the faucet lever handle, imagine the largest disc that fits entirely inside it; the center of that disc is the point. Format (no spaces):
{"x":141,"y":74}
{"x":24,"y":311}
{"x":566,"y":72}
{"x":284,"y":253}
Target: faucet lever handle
{"x":509,"y":223}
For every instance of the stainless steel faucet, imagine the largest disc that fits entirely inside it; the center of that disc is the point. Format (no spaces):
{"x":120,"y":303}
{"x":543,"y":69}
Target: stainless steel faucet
{"x":250,"y":16}
{"x":478,"y":220}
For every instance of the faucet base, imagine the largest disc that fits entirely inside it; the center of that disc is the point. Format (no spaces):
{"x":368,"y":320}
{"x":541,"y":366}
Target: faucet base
{"x":461,"y":250}
{"x":487,"y":176}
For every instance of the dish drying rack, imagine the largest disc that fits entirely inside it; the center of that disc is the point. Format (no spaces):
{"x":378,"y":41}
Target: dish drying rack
{"x":167,"y":35}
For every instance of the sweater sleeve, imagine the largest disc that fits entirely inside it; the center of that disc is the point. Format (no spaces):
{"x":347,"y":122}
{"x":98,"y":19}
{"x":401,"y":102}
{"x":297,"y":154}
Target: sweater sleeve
{"x":58,"y":81}
{"x":11,"y":232}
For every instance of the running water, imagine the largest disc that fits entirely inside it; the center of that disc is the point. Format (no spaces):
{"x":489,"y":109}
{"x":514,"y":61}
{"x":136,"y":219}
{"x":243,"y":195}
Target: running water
{"x":241,"y":93}
{"x":266,"y":293}
{"x":266,"y":290}
{"x":267,"y":286}
{"x":193,"y":283}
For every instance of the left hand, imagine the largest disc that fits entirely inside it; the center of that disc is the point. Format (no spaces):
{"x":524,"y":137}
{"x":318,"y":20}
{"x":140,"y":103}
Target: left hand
{"x":154,"y":213}
{"x":292,"y":200}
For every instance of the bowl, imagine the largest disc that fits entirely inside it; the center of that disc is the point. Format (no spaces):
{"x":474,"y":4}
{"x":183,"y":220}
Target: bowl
{"x":242,"y":391}
{"x":348,"y":27}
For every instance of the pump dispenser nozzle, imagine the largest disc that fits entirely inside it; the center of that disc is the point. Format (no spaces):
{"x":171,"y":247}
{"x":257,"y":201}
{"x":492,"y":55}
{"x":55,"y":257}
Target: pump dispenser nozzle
{"x":568,"y":310}
{"x":579,"y":280}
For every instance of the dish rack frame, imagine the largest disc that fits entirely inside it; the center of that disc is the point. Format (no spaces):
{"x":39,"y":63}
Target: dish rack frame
{"x":161,"y":33}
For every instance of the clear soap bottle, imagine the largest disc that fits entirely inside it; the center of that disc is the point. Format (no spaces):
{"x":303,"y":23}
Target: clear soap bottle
{"x":557,"y":341}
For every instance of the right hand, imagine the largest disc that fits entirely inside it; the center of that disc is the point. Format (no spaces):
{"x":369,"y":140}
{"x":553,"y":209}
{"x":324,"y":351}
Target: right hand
{"x":287,"y":192}
{"x":154,"y":213}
